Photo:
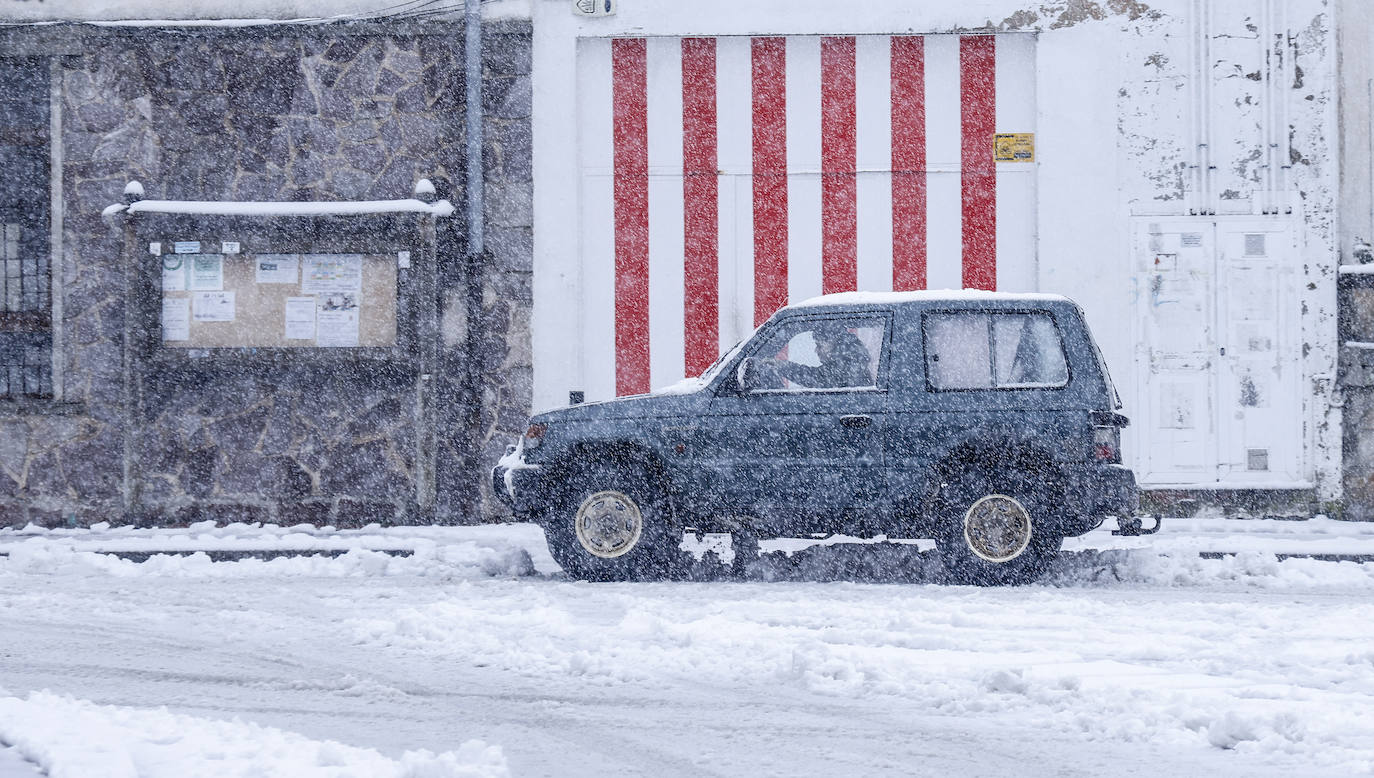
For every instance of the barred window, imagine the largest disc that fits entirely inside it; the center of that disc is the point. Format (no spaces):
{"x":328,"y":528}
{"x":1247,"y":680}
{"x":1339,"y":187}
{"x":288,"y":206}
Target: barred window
{"x":25,"y":276}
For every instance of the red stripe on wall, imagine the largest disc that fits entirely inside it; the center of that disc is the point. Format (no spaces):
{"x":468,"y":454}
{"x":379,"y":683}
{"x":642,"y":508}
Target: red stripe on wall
{"x":769,"y":85}
{"x":839,"y":203}
{"x":630,"y":135}
{"x":908,"y":163}
{"x":701,"y":205}
{"x":978,"y":96}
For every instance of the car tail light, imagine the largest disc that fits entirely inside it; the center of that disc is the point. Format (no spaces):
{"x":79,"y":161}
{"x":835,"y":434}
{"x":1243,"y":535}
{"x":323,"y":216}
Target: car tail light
{"x":535,"y":435}
{"x":1107,"y":444}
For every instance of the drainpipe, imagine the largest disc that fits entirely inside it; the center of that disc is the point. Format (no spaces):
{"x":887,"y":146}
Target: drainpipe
{"x":472,"y":55}
{"x":476,"y":248}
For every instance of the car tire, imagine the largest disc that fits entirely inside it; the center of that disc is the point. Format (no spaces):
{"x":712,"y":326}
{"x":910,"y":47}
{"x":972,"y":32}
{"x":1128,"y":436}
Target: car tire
{"x":610,"y":524}
{"x":998,"y":528}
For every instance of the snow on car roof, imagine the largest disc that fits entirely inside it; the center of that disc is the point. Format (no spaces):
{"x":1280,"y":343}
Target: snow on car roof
{"x":925,"y":295}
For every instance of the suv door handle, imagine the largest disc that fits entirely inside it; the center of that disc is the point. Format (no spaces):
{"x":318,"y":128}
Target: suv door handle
{"x":856,"y":422}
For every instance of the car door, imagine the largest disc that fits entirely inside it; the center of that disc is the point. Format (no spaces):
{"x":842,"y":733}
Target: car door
{"x":789,"y":455}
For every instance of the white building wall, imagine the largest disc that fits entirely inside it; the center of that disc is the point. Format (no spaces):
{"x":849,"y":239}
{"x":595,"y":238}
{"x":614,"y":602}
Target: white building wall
{"x":1355,"y":41}
{"x":1216,"y":113}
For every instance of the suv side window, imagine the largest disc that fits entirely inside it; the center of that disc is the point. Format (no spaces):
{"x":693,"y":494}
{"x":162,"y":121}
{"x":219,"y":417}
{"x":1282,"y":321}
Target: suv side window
{"x":993,"y":351}
{"x":822,"y":354}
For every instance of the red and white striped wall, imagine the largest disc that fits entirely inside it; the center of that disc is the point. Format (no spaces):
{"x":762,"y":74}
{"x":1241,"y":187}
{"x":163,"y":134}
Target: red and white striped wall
{"x":722,"y":177}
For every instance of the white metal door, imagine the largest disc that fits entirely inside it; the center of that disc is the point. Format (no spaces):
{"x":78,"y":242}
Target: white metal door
{"x":1260,"y":424}
{"x":1175,"y":315}
{"x":1216,"y":400}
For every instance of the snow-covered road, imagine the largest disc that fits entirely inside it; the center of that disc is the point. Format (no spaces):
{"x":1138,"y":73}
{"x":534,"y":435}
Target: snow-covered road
{"x":471,"y":658}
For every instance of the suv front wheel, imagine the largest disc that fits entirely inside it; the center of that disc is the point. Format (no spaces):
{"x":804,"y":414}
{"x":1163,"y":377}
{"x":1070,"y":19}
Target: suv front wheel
{"x":997,"y":529}
{"x":609,"y":524}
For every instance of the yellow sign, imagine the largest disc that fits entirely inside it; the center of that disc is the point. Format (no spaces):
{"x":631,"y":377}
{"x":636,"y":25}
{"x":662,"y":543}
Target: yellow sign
{"x":1014,"y":147}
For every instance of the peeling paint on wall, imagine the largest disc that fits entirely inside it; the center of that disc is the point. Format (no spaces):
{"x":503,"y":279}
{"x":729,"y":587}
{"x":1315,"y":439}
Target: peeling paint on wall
{"x":1057,"y":16}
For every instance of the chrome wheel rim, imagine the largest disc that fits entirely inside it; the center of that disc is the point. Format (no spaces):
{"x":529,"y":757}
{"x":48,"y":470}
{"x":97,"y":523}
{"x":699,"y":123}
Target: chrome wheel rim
{"x":997,"y":528}
{"x":609,"y":524}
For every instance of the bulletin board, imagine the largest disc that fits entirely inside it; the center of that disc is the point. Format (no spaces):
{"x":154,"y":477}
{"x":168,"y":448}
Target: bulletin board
{"x":278,"y":300}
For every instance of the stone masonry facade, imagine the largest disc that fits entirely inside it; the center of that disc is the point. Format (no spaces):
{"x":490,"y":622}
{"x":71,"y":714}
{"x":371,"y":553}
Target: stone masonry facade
{"x":319,"y":112}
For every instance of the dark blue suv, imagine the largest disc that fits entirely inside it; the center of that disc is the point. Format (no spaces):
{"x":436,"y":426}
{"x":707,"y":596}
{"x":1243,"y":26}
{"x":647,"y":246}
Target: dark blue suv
{"x":986,"y":421}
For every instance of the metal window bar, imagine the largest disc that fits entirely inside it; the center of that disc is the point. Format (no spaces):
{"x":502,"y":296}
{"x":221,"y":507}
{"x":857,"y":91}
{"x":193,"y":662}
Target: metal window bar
{"x":25,"y":319}
{"x":24,"y":284}
{"x":25,"y":365}
{"x":25,"y":273}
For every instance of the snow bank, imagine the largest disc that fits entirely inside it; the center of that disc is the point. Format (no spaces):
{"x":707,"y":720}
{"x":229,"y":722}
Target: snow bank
{"x":1257,"y":569}
{"x":465,"y":560}
{"x":428,"y":552}
{"x":915,"y":563}
{"x":1252,"y":554}
{"x":71,"y":738}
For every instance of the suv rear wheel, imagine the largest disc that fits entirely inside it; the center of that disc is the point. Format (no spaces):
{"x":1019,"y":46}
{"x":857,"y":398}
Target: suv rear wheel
{"x":997,"y":529}
{"x":609,"y":525}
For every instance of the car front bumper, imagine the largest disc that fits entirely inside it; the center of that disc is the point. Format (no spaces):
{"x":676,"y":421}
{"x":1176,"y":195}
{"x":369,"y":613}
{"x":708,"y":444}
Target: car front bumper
{"x":518,"y":485}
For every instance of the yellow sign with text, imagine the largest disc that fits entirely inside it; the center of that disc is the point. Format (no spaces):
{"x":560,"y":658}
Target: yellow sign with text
{"x":1014,"y":147}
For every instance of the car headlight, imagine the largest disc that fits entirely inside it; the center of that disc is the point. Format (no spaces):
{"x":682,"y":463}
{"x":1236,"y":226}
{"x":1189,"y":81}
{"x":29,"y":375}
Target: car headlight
{"x":534,"y":436}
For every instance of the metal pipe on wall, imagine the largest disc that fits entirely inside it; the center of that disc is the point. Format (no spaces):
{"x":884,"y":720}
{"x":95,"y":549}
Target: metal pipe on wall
{"x":1289,"y":65}
{"x":1207,"y":202}
{"x":1194,"y":192}
{"x":1201,"y":50}
{"x":470,"y":396}
{"x":1276,"y":103}
{"x":472,"y":109}
{"x":1268,"y":118}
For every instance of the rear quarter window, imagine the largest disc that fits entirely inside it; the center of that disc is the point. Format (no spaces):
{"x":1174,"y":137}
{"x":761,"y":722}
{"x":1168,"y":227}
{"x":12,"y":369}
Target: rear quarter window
{"x":993,"y":350}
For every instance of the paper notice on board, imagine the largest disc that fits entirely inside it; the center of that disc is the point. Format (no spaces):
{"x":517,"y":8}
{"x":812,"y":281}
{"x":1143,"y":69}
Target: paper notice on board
{"x":336,"y":319}
{"x":300,"y":318}
{"x":212,"y":306}
{"x":322,"y":273}
{"x":277,"y":269}
{"x":174,"y":273}
{"x":207,"y":271}
{"x":176,"y":318}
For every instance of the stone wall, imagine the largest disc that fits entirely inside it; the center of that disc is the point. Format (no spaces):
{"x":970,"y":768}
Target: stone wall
{"x":278,"y":113}
{"x":1356,"y":298}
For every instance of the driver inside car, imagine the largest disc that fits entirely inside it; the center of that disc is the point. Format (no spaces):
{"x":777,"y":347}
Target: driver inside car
{"x":844,"y":361}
